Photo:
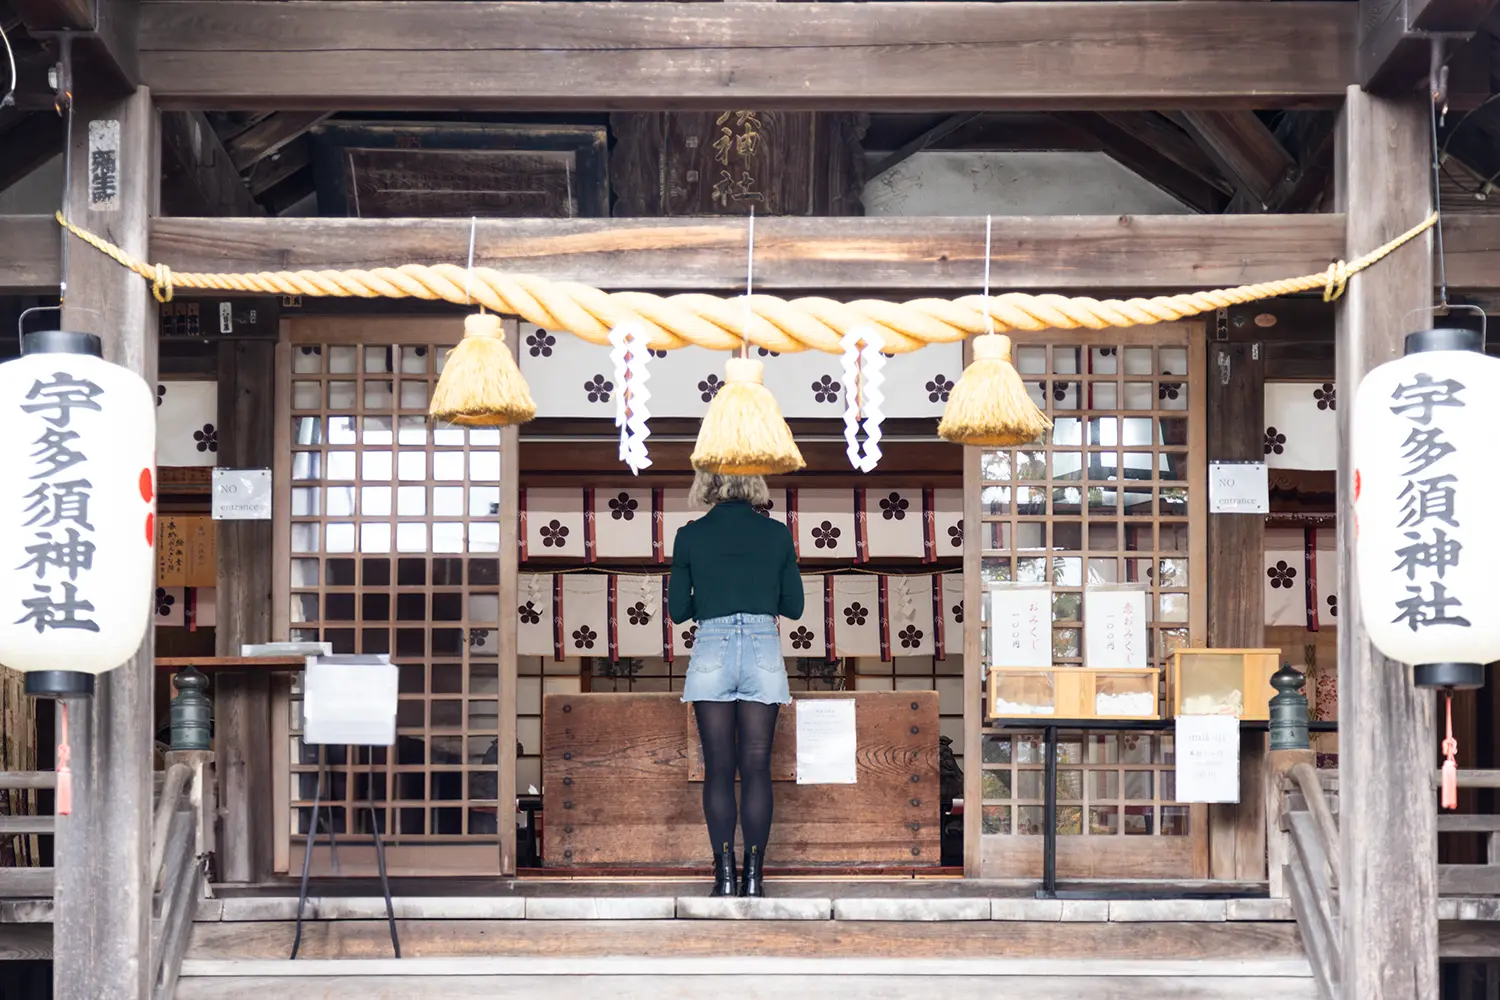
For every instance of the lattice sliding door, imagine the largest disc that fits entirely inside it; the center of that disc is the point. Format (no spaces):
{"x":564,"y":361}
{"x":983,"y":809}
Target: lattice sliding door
{"x":389,"y":536}
{"x":1113,"y":494}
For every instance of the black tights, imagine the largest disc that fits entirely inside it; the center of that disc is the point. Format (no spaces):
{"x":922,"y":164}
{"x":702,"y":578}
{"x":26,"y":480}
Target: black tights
{"x":737,"y":733}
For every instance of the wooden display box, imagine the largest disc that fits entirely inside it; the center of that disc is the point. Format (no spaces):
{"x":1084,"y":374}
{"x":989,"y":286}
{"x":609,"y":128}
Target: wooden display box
{"x":1073,"y":693}
{"x":1223,"y":682}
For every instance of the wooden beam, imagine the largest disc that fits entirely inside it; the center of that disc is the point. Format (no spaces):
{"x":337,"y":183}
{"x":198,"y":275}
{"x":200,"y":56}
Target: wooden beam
{"x":269,"y":135}
{"x":1394,"y":47}
{"x":1152,"y":147}
{"x":242,"y":698}
{"x":24,"y":147}
{"x":1136,"y":253}
{"x":1387,"y":823}
{"x":199,"y":177}
{"x":270,"y":172}
{"x":1236,"y":614}
{"x":102,"y":33}
{"x":1243,"y":147}
{"x":103,"y":905}
{"x":962,"y":56}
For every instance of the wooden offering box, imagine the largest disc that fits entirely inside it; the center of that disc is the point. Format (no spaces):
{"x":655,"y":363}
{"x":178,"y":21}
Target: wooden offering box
{"x":1224,"y":682}
{"x":1073,"y":693}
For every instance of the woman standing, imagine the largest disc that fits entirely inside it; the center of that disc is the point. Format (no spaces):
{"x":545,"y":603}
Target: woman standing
{"x":733,"y":571}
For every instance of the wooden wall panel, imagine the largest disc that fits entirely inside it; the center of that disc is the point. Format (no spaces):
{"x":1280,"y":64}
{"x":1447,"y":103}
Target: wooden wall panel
{"x":726,"y":163}
{"x":617,"y":786}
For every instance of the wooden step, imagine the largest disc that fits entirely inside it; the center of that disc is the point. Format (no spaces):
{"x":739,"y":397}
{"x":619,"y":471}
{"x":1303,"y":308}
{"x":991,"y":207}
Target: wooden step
{"x":751,"y":979}
{"x":916,"y":940}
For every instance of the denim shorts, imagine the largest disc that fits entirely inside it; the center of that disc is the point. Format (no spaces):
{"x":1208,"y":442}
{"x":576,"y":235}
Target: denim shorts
{"x":737,"y":658}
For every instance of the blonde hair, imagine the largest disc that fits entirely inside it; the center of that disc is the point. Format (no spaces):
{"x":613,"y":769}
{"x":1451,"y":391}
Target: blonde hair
{"x":710,"y":488}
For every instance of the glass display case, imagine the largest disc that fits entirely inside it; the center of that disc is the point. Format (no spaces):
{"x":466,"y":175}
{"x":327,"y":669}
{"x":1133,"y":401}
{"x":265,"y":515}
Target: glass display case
{"x":1233,"y":682}
{"x":1074,"y":693}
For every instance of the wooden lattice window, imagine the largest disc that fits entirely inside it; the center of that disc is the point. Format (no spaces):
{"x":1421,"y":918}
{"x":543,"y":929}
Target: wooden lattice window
{"x":1113,"y":494}
{"x":392,"y":545}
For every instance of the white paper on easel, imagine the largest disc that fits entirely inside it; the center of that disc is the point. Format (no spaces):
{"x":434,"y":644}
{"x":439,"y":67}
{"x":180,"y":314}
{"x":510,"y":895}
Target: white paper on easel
{"x":1208,"y":758}
{"x":1115,"y":633}
{"x":825,"y":741}
{"x":350,"y":703}
{"x":1020,"y":627}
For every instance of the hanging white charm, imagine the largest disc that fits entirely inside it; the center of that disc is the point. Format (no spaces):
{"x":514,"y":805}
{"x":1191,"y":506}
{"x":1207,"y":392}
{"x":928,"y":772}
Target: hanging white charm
{"x":630,"y":354}
{"x":863,"y":376}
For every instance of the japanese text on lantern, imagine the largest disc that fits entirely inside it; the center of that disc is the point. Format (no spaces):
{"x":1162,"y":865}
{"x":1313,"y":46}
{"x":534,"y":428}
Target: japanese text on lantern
{"x":735,"y":145}
{"x":1427,"y":504}
{"x":57,"y":537}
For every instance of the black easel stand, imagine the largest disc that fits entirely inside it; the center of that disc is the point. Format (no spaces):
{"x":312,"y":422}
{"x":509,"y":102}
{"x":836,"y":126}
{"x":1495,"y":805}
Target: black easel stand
{"x":312,"y":829}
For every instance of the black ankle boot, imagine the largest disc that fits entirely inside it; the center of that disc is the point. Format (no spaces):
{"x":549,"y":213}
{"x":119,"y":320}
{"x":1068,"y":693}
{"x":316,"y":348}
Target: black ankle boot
{"x":724,"y":873}
{"x":752,"y":884}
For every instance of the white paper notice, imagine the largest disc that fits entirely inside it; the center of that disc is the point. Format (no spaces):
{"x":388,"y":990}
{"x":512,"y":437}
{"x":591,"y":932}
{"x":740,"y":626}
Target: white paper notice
{"x":825,"y":741}
{"x":1238,"y":488}
{"x":1020,"y":627}
{"x":1208,"y":758}
{"x":1115,"y":633}
{"x":350,"y":703}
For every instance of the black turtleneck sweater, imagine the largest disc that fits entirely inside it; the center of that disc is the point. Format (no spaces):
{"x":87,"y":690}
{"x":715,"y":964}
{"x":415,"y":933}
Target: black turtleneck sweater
{"x":734,"y":560}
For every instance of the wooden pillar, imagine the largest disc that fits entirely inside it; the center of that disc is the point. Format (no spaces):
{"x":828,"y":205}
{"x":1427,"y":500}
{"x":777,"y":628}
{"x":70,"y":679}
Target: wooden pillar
{"x":242,"y":699}
{"x":974,"y":710}
{"x":1388,"y":811}
{"x":1236,"y":602}
{"x":510,"y":559}
{"x":102,"y":916}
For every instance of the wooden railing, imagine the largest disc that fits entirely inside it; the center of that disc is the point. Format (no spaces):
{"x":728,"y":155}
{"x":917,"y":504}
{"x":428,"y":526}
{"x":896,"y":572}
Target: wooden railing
{"x":1471,"y":880}
{"x":26,"y":882}
{"x":177,"y":870}
{"x":1303,"y":849}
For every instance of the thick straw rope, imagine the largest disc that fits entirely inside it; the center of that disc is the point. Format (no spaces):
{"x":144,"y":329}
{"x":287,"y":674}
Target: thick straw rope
{"x":783,"y":325}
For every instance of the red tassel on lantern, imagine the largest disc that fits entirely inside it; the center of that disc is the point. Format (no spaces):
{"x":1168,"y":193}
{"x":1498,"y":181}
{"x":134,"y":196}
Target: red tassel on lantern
{"x":1450,"y":763}
{"x":64,"y":804}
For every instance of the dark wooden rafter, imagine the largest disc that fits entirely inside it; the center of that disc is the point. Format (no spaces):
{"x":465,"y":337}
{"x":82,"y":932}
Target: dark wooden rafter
{"x":26,"y":142}
{"x":279,"y":167}
{"x":198,"y":177}
{"x":924,"y":141}
{"x":1001,"y":131}
{"x":1159,"y":152}
{"x":1243,"y":147}
{"x":271,"y":134}
{"x":546,"y":55}
{"x":1395,"y":38}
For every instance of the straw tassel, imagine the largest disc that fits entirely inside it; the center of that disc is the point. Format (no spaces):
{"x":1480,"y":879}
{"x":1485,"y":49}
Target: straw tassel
{"x":989,"y":405}
{"x":481,"y":385}
{"x":743,"y":433}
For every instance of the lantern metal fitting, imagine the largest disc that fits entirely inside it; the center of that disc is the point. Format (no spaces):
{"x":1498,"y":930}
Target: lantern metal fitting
{"x":1289,"y":710}
{"x":191,"y":712}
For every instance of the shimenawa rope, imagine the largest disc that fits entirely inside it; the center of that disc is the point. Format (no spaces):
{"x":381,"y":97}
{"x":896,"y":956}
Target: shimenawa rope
{"x":777,"y":324}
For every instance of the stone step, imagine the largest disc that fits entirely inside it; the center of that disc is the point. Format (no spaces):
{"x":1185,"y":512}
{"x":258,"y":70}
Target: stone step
{"x":654,"y":906}
{"x":751,"y":979}
{"x":779,"y":938}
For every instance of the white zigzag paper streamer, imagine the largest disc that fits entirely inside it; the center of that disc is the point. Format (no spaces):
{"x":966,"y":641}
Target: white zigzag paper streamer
{"x":864,"y":374}
{"x":629,"y":342}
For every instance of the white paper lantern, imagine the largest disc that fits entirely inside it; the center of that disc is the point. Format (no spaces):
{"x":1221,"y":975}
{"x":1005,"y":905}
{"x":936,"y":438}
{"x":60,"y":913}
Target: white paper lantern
{"x":1425,"y":480}
{"x":78,"y":504}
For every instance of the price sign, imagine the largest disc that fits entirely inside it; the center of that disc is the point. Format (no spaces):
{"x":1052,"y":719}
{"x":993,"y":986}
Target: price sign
{"x":1021,"y":627}
{"x":1208,"y":758}
{"x":1114,"y":633}
{"x":242,"y":494}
